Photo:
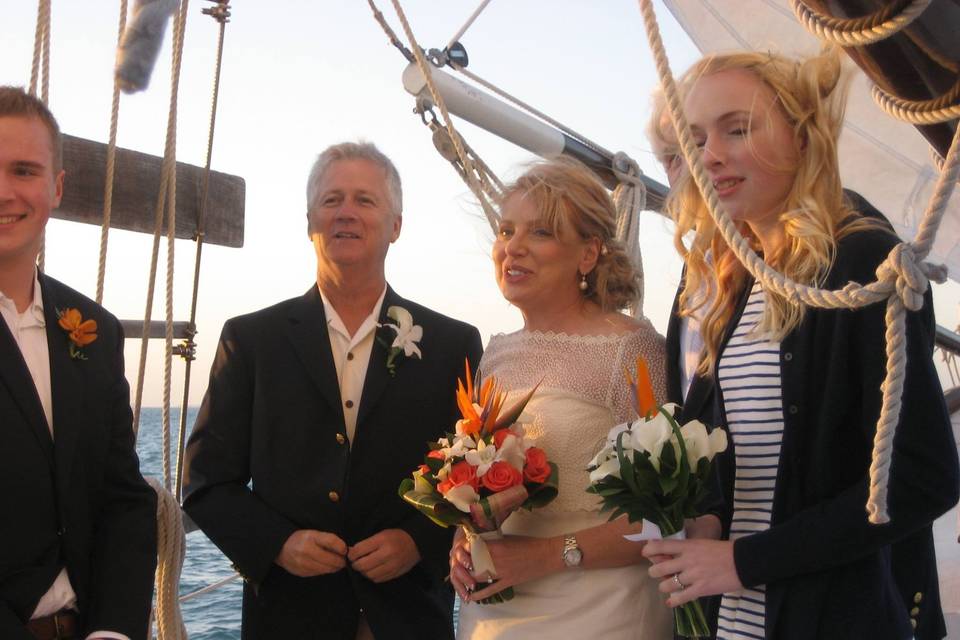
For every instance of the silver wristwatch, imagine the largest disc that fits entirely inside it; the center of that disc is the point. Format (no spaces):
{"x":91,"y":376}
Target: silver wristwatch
{"x":572,"y":554}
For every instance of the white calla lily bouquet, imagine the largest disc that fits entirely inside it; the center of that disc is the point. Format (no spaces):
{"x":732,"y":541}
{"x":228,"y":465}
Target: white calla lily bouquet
{"x":656,"y":470}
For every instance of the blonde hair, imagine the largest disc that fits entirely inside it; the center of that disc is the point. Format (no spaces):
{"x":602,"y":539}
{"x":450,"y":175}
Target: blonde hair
{"x":661,"y":133}
{"x":811,"y":97}
{"x":569,"y":197}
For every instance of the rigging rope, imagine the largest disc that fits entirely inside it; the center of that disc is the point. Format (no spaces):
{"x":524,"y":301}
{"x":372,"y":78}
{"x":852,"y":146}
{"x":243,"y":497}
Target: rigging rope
{"x":629,"y":197}
{"x":220,"y":13}
{"x":111,"y":166}
{"x":40,"y":67}
{"x":167,"y":187}
{"x":859,"y":31}
{"x":171,"y":550}
{"x":468,"y":23}
{"x":468,"y":164}
{"x":902,"y":278}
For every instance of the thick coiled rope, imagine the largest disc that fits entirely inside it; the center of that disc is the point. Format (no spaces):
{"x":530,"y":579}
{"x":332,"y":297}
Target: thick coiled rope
{"x":171,"y":550}
{"x":941,"y":109}
{"x":856,"y":32}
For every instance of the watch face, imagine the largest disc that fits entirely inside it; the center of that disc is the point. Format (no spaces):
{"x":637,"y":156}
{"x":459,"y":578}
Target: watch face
{"x":572,"y":557}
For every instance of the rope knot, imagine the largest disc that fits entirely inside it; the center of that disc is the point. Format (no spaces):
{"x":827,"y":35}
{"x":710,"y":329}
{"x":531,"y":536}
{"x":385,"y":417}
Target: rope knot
{"x":909,"y":276}
{"x":626,"y":169}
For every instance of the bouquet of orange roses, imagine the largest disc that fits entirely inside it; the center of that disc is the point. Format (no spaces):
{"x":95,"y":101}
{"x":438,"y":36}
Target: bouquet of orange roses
{"x":656,"y":470}
{"x":485,"y":470}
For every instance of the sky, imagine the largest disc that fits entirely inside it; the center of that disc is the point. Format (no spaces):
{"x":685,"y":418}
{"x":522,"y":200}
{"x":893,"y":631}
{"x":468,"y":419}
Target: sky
{"x":299,"y":75}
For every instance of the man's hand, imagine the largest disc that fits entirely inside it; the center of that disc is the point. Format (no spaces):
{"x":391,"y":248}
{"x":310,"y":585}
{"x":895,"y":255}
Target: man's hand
{"x":308,"y":553}
{"x":385,"y":555}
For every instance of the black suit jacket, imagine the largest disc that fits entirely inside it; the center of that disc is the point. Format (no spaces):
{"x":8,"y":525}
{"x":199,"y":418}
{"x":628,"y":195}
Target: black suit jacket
{"x":77,"y":500}
{"x":273,"y":415}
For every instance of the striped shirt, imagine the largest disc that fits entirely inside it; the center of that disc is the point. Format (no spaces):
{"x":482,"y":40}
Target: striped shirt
{"x":749,"y":377}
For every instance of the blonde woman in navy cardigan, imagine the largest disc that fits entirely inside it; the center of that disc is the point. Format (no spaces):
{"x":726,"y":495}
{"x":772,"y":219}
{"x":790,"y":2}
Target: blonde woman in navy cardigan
{"x":799,"y":388}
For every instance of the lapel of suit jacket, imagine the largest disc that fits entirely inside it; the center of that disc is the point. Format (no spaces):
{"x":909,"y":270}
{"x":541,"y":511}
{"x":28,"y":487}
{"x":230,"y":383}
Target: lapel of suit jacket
{"x":307,"y":329}
{"x":67,"y":383}
{"x":377,"y":374}
{"x":16,"y":377}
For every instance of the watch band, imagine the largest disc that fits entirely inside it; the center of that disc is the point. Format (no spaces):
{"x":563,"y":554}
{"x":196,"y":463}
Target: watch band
{"x":572,"y":553}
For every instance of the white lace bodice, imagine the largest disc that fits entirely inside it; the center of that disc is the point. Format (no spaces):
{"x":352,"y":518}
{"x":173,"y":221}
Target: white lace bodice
{"x":582,"y":394}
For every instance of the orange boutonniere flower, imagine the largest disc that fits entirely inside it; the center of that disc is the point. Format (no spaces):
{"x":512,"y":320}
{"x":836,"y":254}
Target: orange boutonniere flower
{"x":81,"y":332}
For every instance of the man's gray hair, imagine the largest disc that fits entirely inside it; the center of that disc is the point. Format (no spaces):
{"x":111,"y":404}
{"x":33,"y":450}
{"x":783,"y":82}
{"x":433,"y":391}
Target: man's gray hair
{"x":356,"y":151}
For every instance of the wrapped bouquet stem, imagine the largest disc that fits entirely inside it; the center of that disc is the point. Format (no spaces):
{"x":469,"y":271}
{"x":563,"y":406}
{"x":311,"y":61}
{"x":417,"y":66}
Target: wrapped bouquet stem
{"x":656,"y":470}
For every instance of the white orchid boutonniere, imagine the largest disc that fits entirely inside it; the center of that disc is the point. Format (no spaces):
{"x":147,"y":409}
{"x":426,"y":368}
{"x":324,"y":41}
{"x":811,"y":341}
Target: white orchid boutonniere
{"x":406,"y":337}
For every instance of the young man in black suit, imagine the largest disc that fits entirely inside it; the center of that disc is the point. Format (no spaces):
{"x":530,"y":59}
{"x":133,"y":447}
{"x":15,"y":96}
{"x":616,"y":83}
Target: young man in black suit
{"x":326,"y":410}
{"x":78,"y":533}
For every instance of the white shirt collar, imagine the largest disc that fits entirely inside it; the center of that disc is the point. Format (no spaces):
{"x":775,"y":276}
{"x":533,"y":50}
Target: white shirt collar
{"x":334,"y":322}
{"x":36,"y":306}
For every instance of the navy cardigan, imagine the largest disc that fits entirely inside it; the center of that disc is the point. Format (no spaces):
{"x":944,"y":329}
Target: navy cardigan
{"x":827,"y":571}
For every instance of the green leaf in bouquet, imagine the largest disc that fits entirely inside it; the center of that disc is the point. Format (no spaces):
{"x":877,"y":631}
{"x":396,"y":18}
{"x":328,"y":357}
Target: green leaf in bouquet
{"x":434,"y":464}
{"x":611,"y":490}
{"x":682,"y":454}
{"x":669,"y":464}
{"x":667,"y":484}
{"x":431,"y":505}
{"x":626,"y":466}
{"x":646,"y":476}
{"x":544,"y":493}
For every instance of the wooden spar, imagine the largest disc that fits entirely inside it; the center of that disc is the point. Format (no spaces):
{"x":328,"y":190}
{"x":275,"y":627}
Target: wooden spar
{"x":133,"y":328}
{"x":135,"y":193}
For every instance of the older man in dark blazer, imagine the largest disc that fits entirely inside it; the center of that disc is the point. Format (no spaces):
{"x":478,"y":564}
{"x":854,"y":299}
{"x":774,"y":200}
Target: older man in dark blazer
{"x":317,"y":408}
{"x":78,"y":533}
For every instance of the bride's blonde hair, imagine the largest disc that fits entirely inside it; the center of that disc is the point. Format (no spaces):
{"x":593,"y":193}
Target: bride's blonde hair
{"x":571,"y":200}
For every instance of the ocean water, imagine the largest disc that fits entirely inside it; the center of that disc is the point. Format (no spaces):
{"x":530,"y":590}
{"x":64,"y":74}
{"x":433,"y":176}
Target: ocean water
{"x":214,"y":615}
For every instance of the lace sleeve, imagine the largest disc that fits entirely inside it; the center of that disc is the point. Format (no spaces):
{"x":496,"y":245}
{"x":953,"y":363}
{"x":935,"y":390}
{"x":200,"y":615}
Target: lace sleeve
{"x":644,"y":342}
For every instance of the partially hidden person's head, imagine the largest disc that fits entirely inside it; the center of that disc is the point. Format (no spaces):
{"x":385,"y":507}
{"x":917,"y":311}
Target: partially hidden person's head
{"x":354,"y":206}
{"x":31,"y":174}
{"x":768,"y":128}
{"x":663,"y":139}
{"x":556,"y":241}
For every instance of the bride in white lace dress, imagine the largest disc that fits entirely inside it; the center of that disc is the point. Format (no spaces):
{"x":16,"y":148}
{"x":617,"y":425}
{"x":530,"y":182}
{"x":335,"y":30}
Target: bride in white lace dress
{"x":573,"y":573}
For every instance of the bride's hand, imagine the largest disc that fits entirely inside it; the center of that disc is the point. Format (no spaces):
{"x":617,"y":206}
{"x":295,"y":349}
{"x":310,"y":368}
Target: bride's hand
{"x":518,"y":559}
{"x":461,"y":566}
